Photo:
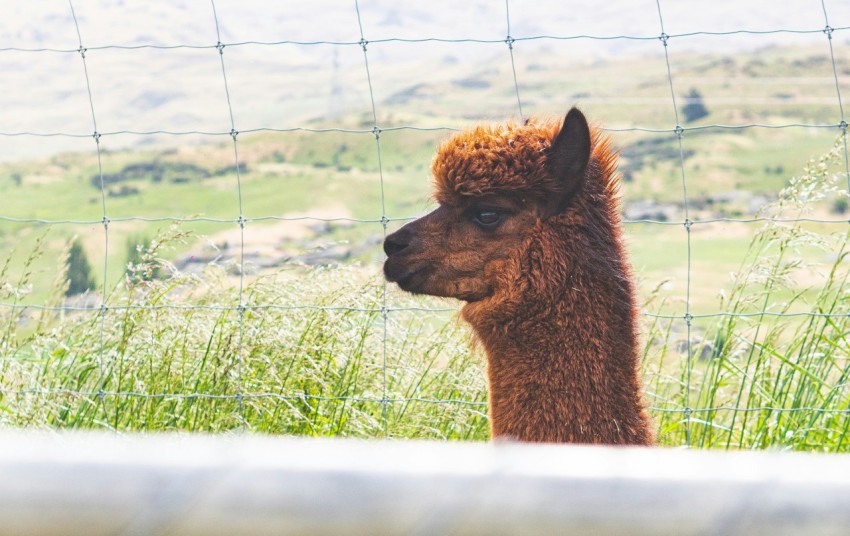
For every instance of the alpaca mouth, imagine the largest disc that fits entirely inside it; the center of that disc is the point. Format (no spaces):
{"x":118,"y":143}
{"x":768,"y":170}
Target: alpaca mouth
{"x":411,"y":279}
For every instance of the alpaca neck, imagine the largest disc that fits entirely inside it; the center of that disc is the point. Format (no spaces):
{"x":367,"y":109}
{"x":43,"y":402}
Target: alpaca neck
{"x":566,"y":370}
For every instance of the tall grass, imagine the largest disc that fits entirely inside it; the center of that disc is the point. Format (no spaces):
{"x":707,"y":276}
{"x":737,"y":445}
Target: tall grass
{"x":774,"y":367}
{"x":305,"y":355}
{"x":315,"y":352}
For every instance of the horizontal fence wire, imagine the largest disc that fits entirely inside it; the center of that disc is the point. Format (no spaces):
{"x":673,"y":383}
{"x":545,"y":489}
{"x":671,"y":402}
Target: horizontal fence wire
{"x":188,"y":219}
{"x":810,"y":31}
{"x":240,"y":220}
{"x":388,"y":400}
{"x":388,"y":309}
{"x":371,"y":132}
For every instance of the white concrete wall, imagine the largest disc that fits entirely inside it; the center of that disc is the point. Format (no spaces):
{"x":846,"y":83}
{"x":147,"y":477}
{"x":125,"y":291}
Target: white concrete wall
{"x":92,"y":484}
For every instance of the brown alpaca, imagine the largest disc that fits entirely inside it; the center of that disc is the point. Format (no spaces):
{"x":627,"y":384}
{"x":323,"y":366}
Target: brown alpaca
{"x":528,"y":234}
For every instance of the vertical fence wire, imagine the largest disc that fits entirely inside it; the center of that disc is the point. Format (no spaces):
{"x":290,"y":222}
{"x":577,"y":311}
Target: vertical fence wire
{"x":105,"y":219}
{"x":664,"y":38}
{"x":376,"y":131}
{"x":828,"y":31}
{"x":241,"y":221}
{"x":510,"y":42}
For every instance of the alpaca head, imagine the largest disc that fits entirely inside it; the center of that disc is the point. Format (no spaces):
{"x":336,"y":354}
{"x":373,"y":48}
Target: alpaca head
{"x":496,"y":187}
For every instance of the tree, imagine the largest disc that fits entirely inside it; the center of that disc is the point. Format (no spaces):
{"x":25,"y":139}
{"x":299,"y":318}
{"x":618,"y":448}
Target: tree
{"x":694,"y":107}
{"x":80,"y":277}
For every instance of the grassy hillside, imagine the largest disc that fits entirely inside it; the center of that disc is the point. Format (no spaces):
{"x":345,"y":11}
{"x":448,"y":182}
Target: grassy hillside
{"x":728,"y":174}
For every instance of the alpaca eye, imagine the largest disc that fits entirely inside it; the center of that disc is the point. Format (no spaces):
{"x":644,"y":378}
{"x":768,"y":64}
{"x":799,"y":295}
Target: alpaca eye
{"x":487,"y":218}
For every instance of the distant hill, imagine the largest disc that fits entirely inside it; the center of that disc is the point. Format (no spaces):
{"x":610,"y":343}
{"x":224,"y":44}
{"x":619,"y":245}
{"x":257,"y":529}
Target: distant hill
{"x":147,"y":90}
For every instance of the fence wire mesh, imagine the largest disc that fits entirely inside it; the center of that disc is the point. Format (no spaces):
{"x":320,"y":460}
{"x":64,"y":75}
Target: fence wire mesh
{"x":662,"y":36}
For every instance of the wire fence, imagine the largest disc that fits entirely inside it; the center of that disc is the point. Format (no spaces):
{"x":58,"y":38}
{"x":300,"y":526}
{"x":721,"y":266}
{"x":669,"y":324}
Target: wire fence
{"x":375,"y":127}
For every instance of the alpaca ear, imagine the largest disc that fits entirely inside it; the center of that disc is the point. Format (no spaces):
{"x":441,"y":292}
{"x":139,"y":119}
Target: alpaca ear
{"x":568,"y":157}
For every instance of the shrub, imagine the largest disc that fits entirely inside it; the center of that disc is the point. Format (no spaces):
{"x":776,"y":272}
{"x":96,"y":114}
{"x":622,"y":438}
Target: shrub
{"x":79,"y":272}
{"x":694,"y":108}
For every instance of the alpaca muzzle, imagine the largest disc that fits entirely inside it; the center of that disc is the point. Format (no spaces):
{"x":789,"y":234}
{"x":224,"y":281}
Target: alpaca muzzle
{"x":399,"y":268}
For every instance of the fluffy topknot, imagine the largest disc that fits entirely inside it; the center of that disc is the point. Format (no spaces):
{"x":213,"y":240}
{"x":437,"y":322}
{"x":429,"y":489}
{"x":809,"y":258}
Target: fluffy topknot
{"x":508,"y":158}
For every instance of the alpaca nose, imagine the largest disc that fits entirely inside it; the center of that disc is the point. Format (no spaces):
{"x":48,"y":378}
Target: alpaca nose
{"x":397,"y":242}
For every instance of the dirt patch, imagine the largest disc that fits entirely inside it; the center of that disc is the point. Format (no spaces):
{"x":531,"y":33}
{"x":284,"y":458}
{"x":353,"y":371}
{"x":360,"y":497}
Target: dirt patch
{"x":301,"y":239}
{"x":263,"y":236}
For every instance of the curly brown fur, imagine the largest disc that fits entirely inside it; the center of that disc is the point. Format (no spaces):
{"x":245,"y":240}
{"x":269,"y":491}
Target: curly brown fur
{"x":528,"y":233}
